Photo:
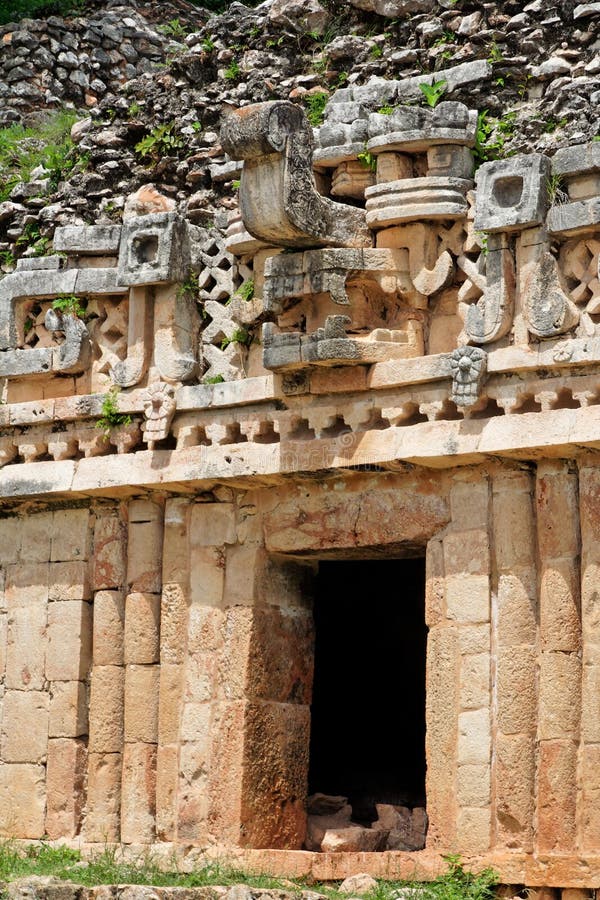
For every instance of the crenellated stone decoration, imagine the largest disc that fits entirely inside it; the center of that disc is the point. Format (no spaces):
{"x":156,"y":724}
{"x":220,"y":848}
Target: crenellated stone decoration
{"x":278,"y":198}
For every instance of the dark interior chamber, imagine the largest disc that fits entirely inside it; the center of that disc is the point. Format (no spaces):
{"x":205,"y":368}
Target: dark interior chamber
{"x":368,"y":708}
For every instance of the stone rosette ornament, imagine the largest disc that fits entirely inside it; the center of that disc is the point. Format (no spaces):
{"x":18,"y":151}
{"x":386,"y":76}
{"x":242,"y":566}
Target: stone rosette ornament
{"x":468,"y":366}
{"x":159,"y":409}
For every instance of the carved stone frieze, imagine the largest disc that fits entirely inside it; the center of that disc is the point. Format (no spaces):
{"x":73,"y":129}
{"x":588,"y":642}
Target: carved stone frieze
{"x":278,"y":198}
{"x":320,"y":271}
{"x":17,"y":290}
{"x":159,"y":409}
{"x":490,"y":317}
{"x":549,"y":311}
{"x":154,"y":249}
{"x":468,"y":366}
{"x":332,"y":346}
{"x":512,"y":194}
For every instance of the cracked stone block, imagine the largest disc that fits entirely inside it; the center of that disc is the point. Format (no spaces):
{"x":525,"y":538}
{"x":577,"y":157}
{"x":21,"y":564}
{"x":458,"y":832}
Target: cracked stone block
{"x":512,"y":193}
{"x":154,"y":249}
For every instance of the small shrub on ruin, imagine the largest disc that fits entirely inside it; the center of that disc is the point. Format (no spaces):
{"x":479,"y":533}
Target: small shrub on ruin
{"x":161,"y":141}
{"x":433,"y":93}
{"x":239,"y":336}
{"x":111,"y":417}
{"x":315,"y":107}
{"x":246,"y":290}
{"x":70,"y":304}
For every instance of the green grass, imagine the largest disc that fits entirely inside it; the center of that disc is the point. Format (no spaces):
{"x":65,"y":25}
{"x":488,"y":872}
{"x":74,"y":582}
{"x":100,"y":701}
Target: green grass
{"x":49,"y":145}
{"x":106,"y":867}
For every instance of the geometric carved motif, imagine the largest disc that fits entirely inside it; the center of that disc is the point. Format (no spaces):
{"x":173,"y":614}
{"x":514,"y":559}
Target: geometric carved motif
{"x":36,"y":333}
{"x":218,"y":280}
{"x":108,"y":331}
{"x":579,"y":262}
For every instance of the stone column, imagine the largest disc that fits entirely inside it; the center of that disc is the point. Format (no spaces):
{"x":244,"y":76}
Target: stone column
{"x":175,"y":600}
{"x":275,"y":628}
{"x":560,"y":663}
{"x":141,"y":657}
{"x":25,"y":552}
{"x":589,"y":771}
{"x":248,"y":676}
{"x":68,"y":662}
{"x":105,"y":759}
{"x":211,"y":729}
{"x":467,"y":596}
{"x":442,"y":702}
{"x":515,"y":637}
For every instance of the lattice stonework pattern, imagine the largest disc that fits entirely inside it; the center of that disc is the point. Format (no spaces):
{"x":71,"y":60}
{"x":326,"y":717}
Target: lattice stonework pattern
{"x":108,"y":331}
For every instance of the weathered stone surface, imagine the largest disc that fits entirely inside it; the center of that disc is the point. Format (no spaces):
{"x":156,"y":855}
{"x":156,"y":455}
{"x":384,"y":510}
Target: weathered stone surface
{"x":102,"y":821}
{"x":138,"y":797}
{"x":393,"y":8}
{"x":297,"y":216}
{"x":142,"y":628}
{"x":22,"y":800}
{"x":106,"y":709}
{"x":353,"y":839}
{"x":141,"y":703}
{"x":66,"y":769}
{"x":24,"y":737}
{"x":300,"y":15}
{"x":68,"y":714}
{"x":69,"y":640}
{"x":358,"y":884}
{"x":109,"y":618}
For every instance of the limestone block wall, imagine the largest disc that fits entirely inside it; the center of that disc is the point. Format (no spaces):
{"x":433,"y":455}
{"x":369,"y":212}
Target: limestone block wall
{"x":157,"y":654}
{"x":156,"y":664}
{"x":45,"y":655}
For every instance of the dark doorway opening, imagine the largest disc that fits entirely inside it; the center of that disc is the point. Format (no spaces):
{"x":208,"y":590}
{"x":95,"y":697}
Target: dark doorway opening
{"x":368,"y":707}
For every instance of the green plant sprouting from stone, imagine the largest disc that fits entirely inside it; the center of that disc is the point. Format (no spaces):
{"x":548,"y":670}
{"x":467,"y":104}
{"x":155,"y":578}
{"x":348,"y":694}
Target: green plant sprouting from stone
{"x":70,"y":305}
{"x":246,"y":290}
{"x":213,"y":379}
{"x":239,"y":336}
{"x":111,"y":417}
{"x":189,"y":287}
{"x":160,"y":142}
{"x":555,"y":191}
{"x":315,"y":107}
{"x":433,"y":93}
{"x":175,"y":29}
{"x":233,"y":71}
{"x":31,"y":237}
{"x":368,"y":160}
{"x":488,"y":145}
{"x":49,"y":145}
{"x":494,"y":54}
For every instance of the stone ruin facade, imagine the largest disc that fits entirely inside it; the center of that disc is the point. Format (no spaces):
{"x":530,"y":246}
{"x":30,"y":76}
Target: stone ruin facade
{"x":414,"y":383}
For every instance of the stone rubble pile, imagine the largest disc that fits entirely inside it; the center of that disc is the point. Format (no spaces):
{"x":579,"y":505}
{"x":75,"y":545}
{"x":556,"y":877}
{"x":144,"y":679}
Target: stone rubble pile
{"x":330,"y":828}
{"x":535,"y":69}
{"x":46,"y":63}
